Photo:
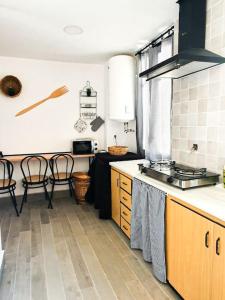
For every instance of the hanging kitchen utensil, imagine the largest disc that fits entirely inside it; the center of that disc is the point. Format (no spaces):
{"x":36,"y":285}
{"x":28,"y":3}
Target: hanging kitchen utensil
{"x":55,"y":94}
{"x":88,"y":102}
{"x":96,"y":123}
{"x":80,"y":125}
{"x":11,"y":86}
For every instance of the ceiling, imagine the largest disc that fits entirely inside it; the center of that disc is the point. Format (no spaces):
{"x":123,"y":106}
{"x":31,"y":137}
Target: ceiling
{"x":34,"y":28}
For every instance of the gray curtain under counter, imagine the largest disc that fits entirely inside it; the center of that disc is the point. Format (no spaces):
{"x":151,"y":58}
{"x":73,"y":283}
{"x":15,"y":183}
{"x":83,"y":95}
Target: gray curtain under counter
{"x":148,"y":225}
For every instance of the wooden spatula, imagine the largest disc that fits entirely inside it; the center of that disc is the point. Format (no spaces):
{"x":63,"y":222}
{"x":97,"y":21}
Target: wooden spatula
{"x":55,"y":94}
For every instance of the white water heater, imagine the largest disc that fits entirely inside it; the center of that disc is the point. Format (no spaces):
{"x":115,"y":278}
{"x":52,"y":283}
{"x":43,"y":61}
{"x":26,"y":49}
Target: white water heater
{"x":122,"y":88}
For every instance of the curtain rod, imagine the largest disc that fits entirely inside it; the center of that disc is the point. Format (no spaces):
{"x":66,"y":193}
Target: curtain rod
{"x":169,"y":31}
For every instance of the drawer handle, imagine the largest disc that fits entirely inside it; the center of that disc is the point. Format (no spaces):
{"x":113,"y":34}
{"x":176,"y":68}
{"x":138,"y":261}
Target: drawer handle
{"x":125,"y":199}
{"x":124,"y":213}
{"x":125,"y":227}
{"x":124,"y":183}
{"x":218,"y":246}
{"x":207,"y":239}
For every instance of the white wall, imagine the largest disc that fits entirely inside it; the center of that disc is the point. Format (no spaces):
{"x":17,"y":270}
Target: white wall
{"x":48,"y":128}
{"x":123,"y":139}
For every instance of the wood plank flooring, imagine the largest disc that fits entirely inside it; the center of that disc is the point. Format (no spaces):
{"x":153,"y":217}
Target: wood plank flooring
{"x":68,"y":253}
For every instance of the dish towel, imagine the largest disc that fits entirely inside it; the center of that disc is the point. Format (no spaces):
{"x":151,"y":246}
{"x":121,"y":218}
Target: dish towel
{"x":148,"y":225}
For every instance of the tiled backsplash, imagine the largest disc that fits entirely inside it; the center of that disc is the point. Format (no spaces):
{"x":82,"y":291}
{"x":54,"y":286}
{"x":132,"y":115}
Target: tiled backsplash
{"x":199,"y":104}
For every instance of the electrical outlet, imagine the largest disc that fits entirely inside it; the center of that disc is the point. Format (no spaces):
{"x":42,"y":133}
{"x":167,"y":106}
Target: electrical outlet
{"x":195,"y":147}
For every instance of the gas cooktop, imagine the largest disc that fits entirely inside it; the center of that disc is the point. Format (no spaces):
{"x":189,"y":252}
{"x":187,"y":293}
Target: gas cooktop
{"x":181,"y":176}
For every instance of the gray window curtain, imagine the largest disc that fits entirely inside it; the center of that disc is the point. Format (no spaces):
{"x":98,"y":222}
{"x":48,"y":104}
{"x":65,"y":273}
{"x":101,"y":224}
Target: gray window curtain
{"x":153,"y":106}
{"x":139,"y":110}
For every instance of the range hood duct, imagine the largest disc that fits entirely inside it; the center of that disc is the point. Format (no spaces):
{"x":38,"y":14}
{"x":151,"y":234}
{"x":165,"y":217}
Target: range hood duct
{"x":192,"y":56}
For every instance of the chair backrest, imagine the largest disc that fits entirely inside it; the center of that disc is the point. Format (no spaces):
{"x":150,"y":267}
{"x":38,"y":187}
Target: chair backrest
{"x":61,"y":162}
{"x":34,"y":165}
{"x":6,"y":172}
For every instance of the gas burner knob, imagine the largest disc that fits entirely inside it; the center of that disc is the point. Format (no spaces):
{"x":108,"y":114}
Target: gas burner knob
{"x":170,"y":179}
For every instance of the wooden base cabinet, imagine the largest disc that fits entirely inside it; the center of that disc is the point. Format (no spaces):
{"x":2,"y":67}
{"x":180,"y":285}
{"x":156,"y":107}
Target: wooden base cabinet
{"x":115,"y":189}
{"x":195,"y":254}
{"x":121,"y":186}
{"x":218,"y":269}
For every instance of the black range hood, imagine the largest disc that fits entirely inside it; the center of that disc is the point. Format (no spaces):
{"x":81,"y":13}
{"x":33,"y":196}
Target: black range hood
{"x":192,"y":56}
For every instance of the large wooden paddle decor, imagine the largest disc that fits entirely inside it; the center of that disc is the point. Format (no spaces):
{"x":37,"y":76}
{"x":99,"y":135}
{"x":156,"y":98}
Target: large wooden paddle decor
{"x":55,"y":94}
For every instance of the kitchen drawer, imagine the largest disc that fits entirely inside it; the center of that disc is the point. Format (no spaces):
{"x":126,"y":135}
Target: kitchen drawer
{"x":125,"y":213}
{"x":125,"y":183}
{"x":125,"y":198}
{"x":125,"y":227}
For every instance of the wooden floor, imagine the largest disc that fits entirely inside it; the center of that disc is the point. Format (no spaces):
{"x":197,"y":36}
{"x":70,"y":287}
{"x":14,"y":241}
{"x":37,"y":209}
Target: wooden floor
{"x":68,"y":253}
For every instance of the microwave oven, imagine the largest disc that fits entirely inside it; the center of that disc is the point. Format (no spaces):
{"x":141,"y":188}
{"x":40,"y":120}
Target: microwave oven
{"x":85,"y":146}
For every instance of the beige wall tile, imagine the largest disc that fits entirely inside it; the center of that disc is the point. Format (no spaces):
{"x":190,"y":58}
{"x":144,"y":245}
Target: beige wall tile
{"x":184,"y":83}
{"x":193,"y":94}
{"x":202,"y":105}
{"x":193,"y":106}
{"x":184,"y":95}
{"x":214,"y":89}
{"x":202,"y":147}
{"x":201,"y":160}
{"x":214,"y":104}
{"x":221,"y":149}
{"x":222,"y":103}
{"x":203,"y":90}
{"x":212,"y":147}
{"x":184,"y":108}
{"x":217,"y":10}
{"x":221,"y":133}
{"x":176,"y":97}
{"x":213,"y":119}
{"x":193,"y":80}
{"x":212,"y":134}
{"x":184,"y":132}
{"x":192,"y":119}
{"x":222,"y":118}
{"x":200,"y":117}
{"x":176,"y":132}
{"x":216,"y":28}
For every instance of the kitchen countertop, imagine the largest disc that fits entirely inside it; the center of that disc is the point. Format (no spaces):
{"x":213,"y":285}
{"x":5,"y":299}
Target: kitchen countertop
{"x":208,"y":199}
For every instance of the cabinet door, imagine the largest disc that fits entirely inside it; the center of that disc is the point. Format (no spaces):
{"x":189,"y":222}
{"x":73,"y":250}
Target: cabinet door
{"x":218,"y":274}
{"x":115,"y":188}
{"x":189,"y":252}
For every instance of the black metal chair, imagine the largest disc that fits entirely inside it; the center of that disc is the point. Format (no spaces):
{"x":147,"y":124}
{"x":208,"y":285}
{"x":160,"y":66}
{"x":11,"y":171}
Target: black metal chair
{"x":38,"y":165}
{"x":7,"y":184}
{"x":61,"y":166}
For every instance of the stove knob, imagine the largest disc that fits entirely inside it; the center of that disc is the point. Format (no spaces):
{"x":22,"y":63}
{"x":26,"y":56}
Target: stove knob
{"x":170,"y":179}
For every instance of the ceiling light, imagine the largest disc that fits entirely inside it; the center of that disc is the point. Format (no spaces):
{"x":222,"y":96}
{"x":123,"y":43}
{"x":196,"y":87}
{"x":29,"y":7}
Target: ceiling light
{"x":73,"y":30}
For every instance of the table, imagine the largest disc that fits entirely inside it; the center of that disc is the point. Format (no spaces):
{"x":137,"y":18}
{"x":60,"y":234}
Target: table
{"x":99,"y":191}
{"x":19,"y":157}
